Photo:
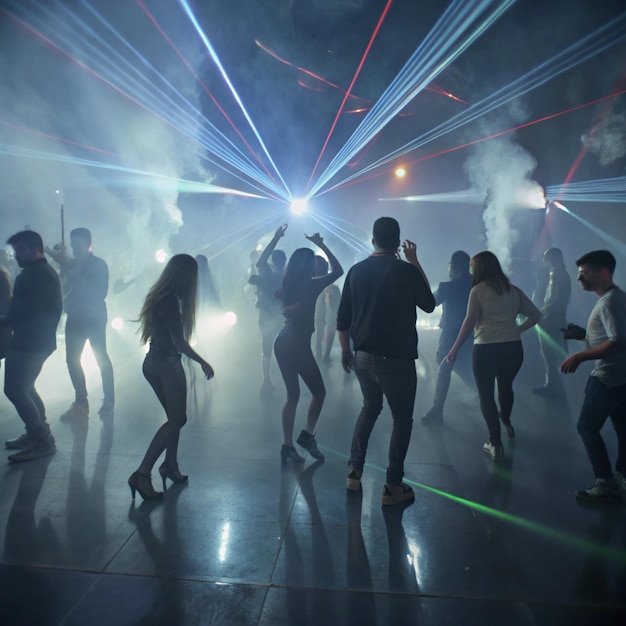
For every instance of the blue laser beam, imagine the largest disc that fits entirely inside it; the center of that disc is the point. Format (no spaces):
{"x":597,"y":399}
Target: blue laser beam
{"x":125,"y":78}
{"x":591,"y":45}
{"x":601,"y":190}
{"x":617,"y":245}
{"x":459,"y":26}
{"x":181,"y":184}
{"x":466,"y":196}
{"x":234,"y":93}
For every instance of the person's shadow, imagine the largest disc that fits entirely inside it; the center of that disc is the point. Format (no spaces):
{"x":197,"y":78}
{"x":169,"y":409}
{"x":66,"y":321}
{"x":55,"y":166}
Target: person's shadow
{"x":307,"y":606}
{"x":165,"y":554}
{"x":86,"y":513}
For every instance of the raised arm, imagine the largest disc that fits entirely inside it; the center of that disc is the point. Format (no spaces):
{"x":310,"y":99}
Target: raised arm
{"x":335,"y":267}
{"x":269,"y":248}
{"x":425,"y":299}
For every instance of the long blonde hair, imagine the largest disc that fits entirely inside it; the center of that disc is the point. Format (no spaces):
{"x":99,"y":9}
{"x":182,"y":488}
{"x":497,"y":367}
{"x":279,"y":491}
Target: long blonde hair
{"x":180,"y":277}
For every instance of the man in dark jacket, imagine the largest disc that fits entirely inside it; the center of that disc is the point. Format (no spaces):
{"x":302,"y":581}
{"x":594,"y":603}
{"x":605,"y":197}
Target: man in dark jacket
{"x":33,"y":315}
{"x":377,"y":311}
{"x":453,"y":296}
{"x":85,"y":285}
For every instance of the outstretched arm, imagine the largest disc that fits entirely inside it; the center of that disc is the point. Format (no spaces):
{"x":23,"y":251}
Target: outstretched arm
{"x":269,"y":248}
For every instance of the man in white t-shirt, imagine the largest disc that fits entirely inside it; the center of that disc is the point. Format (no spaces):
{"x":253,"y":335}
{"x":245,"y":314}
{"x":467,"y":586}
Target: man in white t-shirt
{"x":605,"y":393}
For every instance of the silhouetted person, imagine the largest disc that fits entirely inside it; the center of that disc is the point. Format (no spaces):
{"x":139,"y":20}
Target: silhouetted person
{"x":377,"y":310}
{"x":492,"y":310}
{"x":6,"y":293}
{"x":325,"y":313}
{"x":299,"y":292}
{"x":207,"y":292}
{"x":453,"y":296}
{"x":85,"y":280}
{"x":268,"y":282}
{"x":167,"y":321}
{"x":605,"y":392}
{"x":33,"y":315}
{"x":554,"y":316}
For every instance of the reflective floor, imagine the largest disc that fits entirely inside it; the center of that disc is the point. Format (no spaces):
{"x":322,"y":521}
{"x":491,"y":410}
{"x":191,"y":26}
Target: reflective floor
{"x":250,"y":542}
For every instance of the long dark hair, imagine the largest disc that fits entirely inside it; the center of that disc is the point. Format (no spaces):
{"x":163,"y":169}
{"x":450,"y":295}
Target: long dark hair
{"x":486,"y":268}
{"x":180,"y":277}
{"x":300,"y":270}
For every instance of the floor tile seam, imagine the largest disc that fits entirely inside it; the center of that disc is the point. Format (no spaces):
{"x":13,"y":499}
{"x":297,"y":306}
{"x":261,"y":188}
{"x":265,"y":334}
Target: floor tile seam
{"x":283,"y":526}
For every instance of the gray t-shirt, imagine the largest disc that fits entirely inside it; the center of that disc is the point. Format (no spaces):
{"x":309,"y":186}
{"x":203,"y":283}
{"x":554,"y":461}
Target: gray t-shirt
{"x":496,"y":314}
{"x":608,"y":322}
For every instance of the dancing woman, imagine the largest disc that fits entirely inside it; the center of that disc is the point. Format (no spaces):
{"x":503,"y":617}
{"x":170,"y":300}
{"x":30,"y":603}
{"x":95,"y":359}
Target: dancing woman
{"x":492,"y":310}
{"x":167,"y":320}
{"x":292,"y":347}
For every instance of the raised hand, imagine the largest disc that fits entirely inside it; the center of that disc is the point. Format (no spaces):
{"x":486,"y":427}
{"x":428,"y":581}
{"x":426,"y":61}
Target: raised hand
{"x":315,"y":238}
{"x":281,"y":231}
{"x":410,"y":251}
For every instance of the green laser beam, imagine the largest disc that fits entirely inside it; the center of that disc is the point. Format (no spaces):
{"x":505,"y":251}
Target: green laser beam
{"x":607,"y":552}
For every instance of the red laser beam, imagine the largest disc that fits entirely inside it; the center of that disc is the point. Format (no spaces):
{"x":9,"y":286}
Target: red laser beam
{"x":544,"y":236}
{"x":80,"y":64}
{"x":615,"y":94}
{"x":352,"y":82}
{"x":432,"y":87}
{"x":48,"y":136}
{"x":204,"y":87}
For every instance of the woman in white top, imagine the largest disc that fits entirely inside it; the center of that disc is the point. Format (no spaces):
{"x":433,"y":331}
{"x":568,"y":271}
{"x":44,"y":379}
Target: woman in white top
{"x":492,"y":311}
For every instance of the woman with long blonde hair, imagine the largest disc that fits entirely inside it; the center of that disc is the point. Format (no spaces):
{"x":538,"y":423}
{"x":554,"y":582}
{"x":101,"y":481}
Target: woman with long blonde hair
{"x":492,"y":310}
{"x":167,"y":321}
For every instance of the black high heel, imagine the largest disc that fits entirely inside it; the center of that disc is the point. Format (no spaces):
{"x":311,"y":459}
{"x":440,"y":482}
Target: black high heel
{"x":143,"y":484}
{"x":289,"y":452}
{"x":173,"y":473}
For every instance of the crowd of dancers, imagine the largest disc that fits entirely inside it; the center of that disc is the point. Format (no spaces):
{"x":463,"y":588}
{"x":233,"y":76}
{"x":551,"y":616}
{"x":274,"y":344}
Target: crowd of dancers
{"x":374,"y":318}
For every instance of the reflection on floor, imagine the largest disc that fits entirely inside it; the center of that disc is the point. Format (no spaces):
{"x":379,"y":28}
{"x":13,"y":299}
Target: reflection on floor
{"x":249,"y":542}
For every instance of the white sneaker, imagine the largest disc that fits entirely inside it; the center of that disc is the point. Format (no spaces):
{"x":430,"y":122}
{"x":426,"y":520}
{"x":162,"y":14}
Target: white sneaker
{"x":601,"y":491}
{"x":496,"y":452}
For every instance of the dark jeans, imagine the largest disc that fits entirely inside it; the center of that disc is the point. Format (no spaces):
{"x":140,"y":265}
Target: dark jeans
{"x":295,"y":358}
{"x":601,"y":402}
{"x":396,"y":380}
{"x":77,"y":332}
{"x":167,"y":378}
{"x":496,"y":362}
{"x":462,"y":365}
{"x":21,"y":372}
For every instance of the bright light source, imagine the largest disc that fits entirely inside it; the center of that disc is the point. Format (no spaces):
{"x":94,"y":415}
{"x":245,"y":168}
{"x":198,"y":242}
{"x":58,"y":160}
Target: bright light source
{"x":117,"y":323}
{"x":230,"y":319}
{"x":160,"y":256}
{"x":299,"y":206}
{"x":400,"y":172}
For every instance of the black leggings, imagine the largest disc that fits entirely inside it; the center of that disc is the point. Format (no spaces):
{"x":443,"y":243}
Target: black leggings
{"x":501,"y":362}
{"x":295,"y":358}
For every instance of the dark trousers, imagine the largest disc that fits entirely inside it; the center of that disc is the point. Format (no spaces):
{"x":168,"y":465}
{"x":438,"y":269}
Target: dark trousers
{"x":602,"y":402}
{"x":21,"y":372}
{"x":295,"y":359}
{"x":496,"y":362}
{"x":77,"y":332}
{"x":462,"y":365}
{"x":396,"y":380}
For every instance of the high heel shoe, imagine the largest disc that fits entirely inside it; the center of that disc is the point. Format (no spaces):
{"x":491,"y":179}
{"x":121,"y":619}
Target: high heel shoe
{"x":289,"y":452}
{"x":173,"y":473}
{"x":143,"y":484}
